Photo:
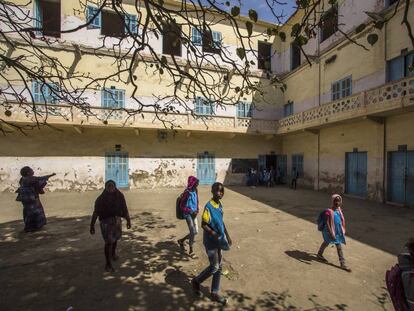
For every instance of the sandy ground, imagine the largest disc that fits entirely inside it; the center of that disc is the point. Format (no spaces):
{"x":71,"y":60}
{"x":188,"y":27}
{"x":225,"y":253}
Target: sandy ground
{"x":271,"y":266}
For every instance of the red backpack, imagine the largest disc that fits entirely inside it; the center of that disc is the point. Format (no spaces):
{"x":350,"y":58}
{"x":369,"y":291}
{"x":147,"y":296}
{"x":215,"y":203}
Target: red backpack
{"x":395,"y":288}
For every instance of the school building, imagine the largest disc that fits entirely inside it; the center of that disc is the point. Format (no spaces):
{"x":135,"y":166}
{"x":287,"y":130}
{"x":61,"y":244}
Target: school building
{"x":345,"y":120}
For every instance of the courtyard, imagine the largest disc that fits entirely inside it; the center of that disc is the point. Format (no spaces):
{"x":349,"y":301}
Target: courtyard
{"x":271,"y":266}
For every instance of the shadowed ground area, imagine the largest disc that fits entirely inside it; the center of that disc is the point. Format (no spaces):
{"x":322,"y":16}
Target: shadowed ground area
{"x":271,"y":266}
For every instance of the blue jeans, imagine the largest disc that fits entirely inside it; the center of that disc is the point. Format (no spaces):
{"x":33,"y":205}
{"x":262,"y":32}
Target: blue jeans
{"x":192,"y":227}
{"x":214,"y":269}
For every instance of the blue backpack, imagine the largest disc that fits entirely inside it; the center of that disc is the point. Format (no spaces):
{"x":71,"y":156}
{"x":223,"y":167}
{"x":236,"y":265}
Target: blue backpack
{"x":321,"y":221}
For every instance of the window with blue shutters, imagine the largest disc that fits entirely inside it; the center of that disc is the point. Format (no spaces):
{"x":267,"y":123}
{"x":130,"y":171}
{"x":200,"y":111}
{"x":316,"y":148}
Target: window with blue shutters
{"x":91,"y":11}
{"x":401,"y":67}
{"x":204,"y":106}
{"x":196,"y":37}
{"x":212,"y":41}
{"x":113,"y":98}
{"x":342,"y":88}
{"x":217,"y":39}
{"x":131,"y":24}
{"x":244,"y":110}
{"x":288,"y":109}
{"x":45,"y":93}
{"x":297,"y":163}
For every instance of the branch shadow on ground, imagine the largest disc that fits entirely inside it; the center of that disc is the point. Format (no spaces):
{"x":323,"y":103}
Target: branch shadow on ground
{"x":62,"y":266}
{"x":385,"y":227}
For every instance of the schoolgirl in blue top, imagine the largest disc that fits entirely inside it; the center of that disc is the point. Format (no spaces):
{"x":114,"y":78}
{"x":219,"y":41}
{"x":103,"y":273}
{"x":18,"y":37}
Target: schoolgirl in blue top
{"x":215,"y":239}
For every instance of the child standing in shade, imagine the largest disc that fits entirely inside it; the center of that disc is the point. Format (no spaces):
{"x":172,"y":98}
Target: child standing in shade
{"x":189,"y":206}
{"x":215,"y":239}
{"x":334,"y":230}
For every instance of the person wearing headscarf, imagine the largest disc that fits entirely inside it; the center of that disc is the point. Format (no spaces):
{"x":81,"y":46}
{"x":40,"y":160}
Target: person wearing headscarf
{"x":110,"y":207}
{"x":189,"y":205}
{"x":334,"y":230}
{"x":28,"y":193}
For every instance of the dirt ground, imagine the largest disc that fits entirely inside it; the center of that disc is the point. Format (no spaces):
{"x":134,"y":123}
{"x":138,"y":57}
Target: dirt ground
{"x":271,"y":266}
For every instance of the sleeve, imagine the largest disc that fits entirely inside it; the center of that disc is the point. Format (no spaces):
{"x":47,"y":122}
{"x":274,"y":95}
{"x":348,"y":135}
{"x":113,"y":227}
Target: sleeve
{"x":206,"y":216}
{"x":124,"y":206}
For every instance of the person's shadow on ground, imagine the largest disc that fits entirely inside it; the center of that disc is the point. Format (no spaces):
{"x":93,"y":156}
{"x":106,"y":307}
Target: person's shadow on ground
{"x":308,"y":258}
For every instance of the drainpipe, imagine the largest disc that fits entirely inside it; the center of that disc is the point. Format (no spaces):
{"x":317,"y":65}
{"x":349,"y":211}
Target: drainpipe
{"x":319,"y":103}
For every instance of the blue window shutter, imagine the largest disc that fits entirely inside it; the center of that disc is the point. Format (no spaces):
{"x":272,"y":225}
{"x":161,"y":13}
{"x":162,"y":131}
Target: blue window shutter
{"x":396,"y":69}
{"x":131,"y":23}
{"x":36,"y":92}
{"x":217,"y":39}
{"x":38,"y":18}
{"x":197,"y":105}
{"x":90,"y":12}
{"x":196,"y":37}
{"x":409,"y":65}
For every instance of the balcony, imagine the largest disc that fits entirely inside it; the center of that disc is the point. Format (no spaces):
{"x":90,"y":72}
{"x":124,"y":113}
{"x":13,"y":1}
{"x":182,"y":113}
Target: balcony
{"x":97,"y":117}
{"x":374,"y":104}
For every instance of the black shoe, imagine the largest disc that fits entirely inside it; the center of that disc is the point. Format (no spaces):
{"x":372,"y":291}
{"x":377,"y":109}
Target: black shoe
{"x":345,"y":267}
{"x":321,"y":258}
{"x":196,"y":288}
{"x":220,"y":299}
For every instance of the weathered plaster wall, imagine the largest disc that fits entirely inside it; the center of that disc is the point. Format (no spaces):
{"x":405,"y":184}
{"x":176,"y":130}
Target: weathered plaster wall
{"x":306,"y":144}
{"x":78,"y":159}
{"x":336,"y":141}
{"x":400,"y":131}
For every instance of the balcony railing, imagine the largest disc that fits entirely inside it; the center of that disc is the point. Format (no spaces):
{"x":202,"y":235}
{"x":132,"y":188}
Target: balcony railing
{"x":388,"y":97}
{"x":101,"y":117}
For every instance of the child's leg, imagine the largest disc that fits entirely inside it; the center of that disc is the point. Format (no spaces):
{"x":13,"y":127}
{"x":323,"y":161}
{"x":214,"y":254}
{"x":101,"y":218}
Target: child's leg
{"x":342,"y":258}
{"x":214,"y":266}
{"x":114,"y":256}
{"x":108,"y":255}
{"x":215,"y":284}
{"x":324,"y":245}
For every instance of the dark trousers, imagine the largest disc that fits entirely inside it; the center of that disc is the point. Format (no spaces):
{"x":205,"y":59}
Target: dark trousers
{"x":293,"y":184}
{"x":338,"y":249}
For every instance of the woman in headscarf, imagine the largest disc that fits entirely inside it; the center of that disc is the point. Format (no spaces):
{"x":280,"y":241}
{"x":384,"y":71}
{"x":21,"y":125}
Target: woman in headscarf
{"x":334,"y":230}
{"x":189,"y":205}
{"x":110,"y":207}
{"x":28,"y":193}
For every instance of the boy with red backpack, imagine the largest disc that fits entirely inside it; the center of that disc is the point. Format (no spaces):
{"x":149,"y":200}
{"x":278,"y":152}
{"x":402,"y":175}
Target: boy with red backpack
{"x":188,"y":205}
{"x":400,"y":280}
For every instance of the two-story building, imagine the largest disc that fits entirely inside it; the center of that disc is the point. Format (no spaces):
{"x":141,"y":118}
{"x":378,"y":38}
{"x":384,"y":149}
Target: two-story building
{"x":344,"y":121}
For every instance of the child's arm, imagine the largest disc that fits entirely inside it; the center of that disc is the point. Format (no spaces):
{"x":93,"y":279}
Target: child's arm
{"x":210,"y":231}
{"x":93,"y":221}
{"x":126,"y":212}
{"x":227,"y":236}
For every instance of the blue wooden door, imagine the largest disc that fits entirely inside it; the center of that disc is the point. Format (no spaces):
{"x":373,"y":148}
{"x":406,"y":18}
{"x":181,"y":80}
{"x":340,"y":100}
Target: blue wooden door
{"x":396,"y":176}
{"x":409,"y":180}
{"x":401,"y":177}
{"x":356,"y":173}
{"x":116,"y":169}
{"x":206,"y":168}
{"x":282,"y":165}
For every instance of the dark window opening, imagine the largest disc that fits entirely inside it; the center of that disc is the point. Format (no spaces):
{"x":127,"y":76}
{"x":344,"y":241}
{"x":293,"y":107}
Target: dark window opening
{"x":400,"y":67}
{"x":171,"y":40}
{"x":329,"y":23}
{"x":211,"y":42}
{"x":264,"y":57}
{"x":49,"y":17}
{"x":391,"y":2}
{"x":295,"y":56}
{"x":113,"y":25}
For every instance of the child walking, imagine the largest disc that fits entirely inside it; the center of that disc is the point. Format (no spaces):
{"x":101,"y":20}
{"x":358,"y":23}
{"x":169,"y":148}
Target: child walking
{"x":334,"y":230}
{"x":215,"y":239}
{"x":189,"y":205}
{"x":110,"y":207}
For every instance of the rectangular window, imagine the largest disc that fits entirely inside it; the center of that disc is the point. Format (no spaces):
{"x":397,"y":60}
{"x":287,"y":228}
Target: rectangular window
{"x":244,"y":110}
{"x":47,"y":17}
{"x":288,"y":109}
{"x":297,"y":164}
{"x":264,"y":56}
{"x":204,"y":106}
{"x":295,"y":60}
{"x":196,"y":37}
{"x":212,"y":42}
{"x":329,"y":23}
{"x":342,"y":88}
{"x":401,"y":67}
{"x":171,"y":40}
{"x":113,"y":25}
{"x":45,"y":93}
{"x":113,"y":98}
